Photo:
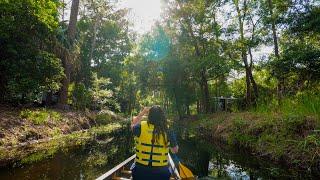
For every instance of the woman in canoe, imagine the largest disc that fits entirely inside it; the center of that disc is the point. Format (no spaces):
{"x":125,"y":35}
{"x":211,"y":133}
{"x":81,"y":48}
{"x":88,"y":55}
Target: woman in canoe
{"x":152,"y":142}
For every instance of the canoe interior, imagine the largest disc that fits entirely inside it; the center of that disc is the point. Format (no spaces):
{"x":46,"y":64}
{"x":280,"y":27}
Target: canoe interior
{"x":122,"y":171}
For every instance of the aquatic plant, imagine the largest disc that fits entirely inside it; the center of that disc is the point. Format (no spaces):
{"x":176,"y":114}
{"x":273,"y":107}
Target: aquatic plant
{"x":39,"y":156}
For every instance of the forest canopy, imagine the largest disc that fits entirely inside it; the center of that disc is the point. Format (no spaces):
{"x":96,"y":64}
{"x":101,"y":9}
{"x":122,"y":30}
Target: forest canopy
{"x":199,"y":51}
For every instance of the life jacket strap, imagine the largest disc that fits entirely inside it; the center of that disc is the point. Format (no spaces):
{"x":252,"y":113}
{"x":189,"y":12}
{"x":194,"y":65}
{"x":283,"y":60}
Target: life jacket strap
{"x":152,"y":160}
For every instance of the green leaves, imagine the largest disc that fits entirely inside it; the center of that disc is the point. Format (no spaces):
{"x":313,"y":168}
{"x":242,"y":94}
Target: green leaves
{"x":28,"y":66}
{"x":82,"y":97}
{"x":105,"y":42}
{"x":30,"y":76}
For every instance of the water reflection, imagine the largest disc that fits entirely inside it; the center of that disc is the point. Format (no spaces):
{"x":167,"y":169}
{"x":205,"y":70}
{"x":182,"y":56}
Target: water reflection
{"x":211,"y":161}
{"x":207,"y":160}
{"x":87,"y":161}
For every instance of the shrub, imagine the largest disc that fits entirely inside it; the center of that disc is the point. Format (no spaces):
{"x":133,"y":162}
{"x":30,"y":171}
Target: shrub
{"x":40,"y":116}
{"x":82,"y":98}
{"x":40,"y":73}
{"x":103,"y":118}
{"x":102,"y":96}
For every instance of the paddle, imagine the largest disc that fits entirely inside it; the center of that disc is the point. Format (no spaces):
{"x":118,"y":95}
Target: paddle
{"x":184,"y":172}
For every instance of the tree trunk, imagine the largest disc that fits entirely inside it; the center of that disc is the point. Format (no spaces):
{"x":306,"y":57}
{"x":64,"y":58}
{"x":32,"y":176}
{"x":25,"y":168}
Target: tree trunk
{"x":2,"y":84}
{"x":248,"y":86}
{"x":274,"y":30}
{"x":48,"y":100}
{"x":244,"y":52}
{"x":253,"y":82}
{"x":73,"y":20}
{"x":63,"y":6}
{"x":178,"y":105}
{"x":198,"y":107}
{"x":188,"y":109}
{"x":93,"y":44}
{"x":205,"y":90}
{"x":280,"y":85}
{"x":63,"y":95}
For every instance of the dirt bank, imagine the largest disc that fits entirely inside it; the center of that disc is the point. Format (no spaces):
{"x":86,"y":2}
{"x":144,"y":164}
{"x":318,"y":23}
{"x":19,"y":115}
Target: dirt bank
{"x":25,"y":132}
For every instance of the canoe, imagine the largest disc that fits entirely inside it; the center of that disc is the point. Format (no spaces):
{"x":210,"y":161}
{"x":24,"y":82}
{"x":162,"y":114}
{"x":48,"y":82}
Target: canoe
{"x":122,"y":171}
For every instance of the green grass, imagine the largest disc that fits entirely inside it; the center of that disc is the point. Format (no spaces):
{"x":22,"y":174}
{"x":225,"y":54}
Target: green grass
{"x":40,"y":116}
{"x":302,"y":104}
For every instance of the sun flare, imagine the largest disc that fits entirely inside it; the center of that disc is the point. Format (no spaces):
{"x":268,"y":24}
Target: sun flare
{"x":143,"y":13}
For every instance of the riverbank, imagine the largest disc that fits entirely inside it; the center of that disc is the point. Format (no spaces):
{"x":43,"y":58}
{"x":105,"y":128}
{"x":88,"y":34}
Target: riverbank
{"x":29,"y":135}
{"x":290,"y":140}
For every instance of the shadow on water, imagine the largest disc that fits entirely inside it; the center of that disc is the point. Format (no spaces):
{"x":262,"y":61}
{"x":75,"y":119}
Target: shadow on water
{"x":88,"y":161}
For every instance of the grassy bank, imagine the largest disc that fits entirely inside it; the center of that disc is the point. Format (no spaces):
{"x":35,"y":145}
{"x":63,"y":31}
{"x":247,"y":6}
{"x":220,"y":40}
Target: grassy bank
{"x":29,"y":135}
{"x":288,"y":139}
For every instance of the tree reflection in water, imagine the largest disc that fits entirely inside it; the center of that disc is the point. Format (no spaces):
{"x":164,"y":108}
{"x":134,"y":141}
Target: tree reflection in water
{"x":208,"y":160}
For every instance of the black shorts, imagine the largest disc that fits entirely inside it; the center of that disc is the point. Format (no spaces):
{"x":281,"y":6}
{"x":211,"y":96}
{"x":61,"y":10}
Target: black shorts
{"x":141,"y":172}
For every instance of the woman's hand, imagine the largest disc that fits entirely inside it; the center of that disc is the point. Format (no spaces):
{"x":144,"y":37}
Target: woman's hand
{"x":175,"y":149}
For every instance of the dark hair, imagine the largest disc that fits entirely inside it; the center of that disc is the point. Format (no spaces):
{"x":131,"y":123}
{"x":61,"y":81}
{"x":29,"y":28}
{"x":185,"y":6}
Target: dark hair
{"x":157,"y":118}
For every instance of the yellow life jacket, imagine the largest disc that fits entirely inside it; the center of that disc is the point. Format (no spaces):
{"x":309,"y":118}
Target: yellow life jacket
{"x":144,"y":147}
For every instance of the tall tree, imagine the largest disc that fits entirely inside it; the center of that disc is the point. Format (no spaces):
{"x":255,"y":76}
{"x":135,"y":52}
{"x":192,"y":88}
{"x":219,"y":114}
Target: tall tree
{"x":197,"y":35}
{"x":188,"y":17}
{"x":242,"y":13}
{"x":276,"y":48}
{"x":63,"y":96}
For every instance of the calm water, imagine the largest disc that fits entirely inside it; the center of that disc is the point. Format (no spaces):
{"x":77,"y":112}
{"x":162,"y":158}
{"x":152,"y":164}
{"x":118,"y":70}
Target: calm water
{"x":208,"y":161}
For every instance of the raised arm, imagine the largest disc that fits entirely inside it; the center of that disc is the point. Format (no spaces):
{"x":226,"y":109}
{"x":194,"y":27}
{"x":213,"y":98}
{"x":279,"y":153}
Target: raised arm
{"x":138,"y":118}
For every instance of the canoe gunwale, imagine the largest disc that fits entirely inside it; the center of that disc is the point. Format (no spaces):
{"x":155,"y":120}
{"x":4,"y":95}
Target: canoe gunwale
{"x":116,"y":168}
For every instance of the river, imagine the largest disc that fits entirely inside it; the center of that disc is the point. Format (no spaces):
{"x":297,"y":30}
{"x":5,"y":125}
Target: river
{"x":206,"y":160}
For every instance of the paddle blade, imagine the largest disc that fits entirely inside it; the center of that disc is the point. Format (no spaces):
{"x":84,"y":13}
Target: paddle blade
{"x":185,"y":173}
